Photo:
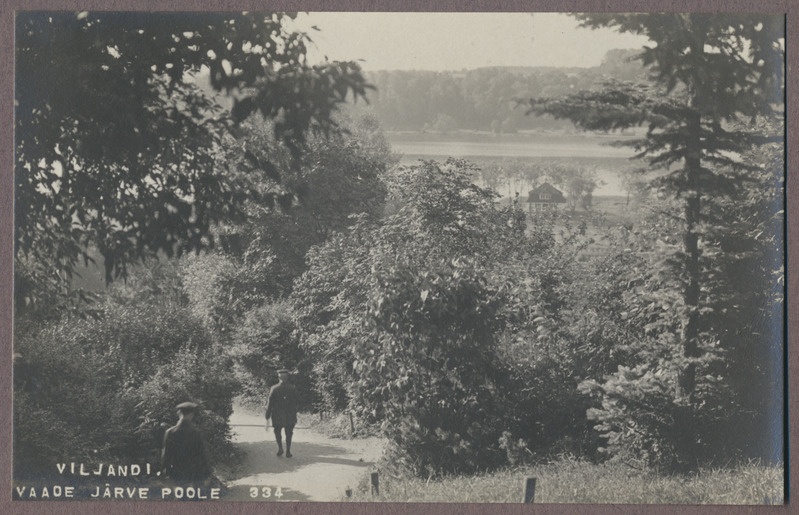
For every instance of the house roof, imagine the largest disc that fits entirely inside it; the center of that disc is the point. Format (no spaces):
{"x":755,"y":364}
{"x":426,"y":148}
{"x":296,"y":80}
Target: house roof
{"x":555,"y":194}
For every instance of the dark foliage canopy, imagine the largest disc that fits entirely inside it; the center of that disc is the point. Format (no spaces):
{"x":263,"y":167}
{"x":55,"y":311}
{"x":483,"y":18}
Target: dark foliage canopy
{"x":117,"y":147}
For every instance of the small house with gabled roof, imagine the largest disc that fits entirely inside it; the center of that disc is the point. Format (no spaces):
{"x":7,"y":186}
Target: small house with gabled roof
{"x":544,"y":197}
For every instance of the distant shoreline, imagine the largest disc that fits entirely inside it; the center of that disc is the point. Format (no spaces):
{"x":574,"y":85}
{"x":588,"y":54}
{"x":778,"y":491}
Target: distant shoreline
{"x":521,"y":135}
{"x":587,"y":150}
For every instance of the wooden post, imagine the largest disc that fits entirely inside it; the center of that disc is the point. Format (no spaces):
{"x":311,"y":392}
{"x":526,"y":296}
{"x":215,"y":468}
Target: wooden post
{"x":529,"y":490}
{"x":375,"y":484}
{"x":352,"y":425}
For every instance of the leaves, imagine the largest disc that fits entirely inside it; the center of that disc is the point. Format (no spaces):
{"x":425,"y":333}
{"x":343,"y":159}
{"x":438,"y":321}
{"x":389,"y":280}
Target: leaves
{"x":143,"y":354}
{"x":434,"y":375}
{"x":404,"y":314}
{"x":120,"y":145}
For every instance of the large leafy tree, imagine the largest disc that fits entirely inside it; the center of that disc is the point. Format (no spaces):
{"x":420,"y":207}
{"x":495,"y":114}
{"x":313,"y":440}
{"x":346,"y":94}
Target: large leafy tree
{"x":118,"y":149}
{"x":434,"y":214}
{"x":708,"y":71}
{"x":448,"y":300}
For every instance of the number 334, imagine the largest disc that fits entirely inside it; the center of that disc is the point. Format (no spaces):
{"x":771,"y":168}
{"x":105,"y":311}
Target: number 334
{"x":265,"y":492}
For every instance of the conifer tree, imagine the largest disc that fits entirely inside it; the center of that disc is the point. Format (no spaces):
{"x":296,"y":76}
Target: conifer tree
{"x":711,"y":76}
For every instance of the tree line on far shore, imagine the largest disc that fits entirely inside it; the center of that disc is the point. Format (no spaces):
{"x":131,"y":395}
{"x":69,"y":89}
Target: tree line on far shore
{"x":486,"y":99}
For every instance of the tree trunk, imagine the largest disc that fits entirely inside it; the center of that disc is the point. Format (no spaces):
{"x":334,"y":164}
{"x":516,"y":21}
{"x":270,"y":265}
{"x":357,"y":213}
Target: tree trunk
{"x":690,"y":315}
{"x":686,"y":430}
{"x":686,"y":384}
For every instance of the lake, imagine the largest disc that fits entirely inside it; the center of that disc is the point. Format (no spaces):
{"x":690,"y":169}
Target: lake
{"x":584,"y":150}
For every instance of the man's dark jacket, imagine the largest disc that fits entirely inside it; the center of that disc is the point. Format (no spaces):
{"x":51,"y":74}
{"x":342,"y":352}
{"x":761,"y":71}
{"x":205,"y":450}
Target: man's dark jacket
{"x":282,"y":405}
{"x":185,"y":456}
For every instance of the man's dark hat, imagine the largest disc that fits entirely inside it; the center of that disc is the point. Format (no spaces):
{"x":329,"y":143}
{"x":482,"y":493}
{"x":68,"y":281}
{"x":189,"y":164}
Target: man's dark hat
{"x":186,"y":406}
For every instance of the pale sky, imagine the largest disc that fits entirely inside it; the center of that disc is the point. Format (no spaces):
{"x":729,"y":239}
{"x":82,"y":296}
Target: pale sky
{"x":455,"y":41}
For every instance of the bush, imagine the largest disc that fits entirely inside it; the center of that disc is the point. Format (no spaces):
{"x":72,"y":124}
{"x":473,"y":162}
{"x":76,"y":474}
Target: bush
{"x":222,"y":288}
{"x":549,"y":413}
{"x":431,"y":374}
{"x":262,"y":344}
{"x":565,"y":327}
{"x":646,"y":424}
{"x":65,"y":387}
{"x":103,"y":389}
{"x":205,"y":379}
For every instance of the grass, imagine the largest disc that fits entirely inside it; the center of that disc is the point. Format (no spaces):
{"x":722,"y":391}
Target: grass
{"x":572,"y":481}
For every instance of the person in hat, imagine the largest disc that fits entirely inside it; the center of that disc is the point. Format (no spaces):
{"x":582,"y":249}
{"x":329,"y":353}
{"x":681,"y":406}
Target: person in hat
{"x":184,"y":456}
{"x":281,"y":406}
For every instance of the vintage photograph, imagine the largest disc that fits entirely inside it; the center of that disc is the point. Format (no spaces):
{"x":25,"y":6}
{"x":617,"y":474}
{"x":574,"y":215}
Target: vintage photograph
{"x":427,"y":257}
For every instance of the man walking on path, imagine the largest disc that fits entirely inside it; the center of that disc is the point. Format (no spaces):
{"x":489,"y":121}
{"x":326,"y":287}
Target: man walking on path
{"x":184,"y":456}
{"x":282,"y":408}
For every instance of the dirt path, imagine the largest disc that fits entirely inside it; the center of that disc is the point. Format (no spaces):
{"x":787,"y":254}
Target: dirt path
{"x":321,"y":468}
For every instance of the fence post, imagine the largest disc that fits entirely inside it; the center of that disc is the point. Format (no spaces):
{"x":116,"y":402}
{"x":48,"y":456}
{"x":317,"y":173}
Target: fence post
{"x":352,"y":425}
{"x":375,"y":484}
{"x":529,"y":490}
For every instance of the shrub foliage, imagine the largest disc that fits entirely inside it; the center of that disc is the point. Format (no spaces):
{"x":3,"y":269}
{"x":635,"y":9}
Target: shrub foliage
{"x":106,"y":388}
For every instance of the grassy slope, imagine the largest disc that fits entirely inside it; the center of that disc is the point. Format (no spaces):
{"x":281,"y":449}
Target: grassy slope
{"x":572,"y":481}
